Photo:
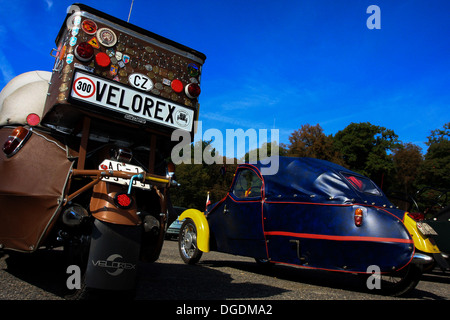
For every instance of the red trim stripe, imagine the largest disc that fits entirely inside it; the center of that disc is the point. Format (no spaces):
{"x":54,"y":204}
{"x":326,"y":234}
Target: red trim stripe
{"x":335,"y":238}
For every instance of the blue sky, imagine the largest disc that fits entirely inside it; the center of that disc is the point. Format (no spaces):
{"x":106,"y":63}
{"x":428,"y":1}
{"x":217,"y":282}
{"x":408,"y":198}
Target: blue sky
{"x":280,"y":64}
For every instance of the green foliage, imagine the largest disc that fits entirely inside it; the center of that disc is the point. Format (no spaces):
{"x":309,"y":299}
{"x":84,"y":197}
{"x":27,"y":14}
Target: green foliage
{"x":371,"y":150}
{"x":436,"y":166}
{"x":196,"y":180}
{"x":367,"y":148}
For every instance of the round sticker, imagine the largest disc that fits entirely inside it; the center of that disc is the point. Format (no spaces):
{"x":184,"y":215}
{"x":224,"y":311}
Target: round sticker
{"x":89,"y":26}
{"x":84,"y":87}
{"x":106,"y":37}
{"x":102,"y":59}
{"x":177,"y":85}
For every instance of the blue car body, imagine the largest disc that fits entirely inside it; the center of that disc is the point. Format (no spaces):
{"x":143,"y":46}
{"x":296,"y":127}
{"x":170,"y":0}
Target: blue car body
{"x":311,"y":213}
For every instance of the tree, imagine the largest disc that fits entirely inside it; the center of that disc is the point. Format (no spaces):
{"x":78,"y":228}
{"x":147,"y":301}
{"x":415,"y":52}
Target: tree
{"x":311,"y":141}
{"x":367,"y":148}
{"x":196,"y":180}
{"x":436,"y":166}
{"x":408,"y":159}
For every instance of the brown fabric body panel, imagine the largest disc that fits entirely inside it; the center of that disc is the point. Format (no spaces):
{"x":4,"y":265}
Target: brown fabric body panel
{"x":31,"y":185}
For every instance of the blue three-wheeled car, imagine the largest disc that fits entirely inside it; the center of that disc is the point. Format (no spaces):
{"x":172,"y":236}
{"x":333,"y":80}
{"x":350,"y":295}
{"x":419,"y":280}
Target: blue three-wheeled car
{"x":311,"y":213}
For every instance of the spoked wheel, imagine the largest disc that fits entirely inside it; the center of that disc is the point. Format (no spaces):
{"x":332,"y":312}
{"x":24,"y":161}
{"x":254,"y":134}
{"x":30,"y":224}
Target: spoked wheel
{"x":401,"y":282}
{"x":187,"y":243}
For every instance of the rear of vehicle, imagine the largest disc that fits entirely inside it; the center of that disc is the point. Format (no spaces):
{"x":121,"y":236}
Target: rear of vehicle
{"x":85,"y":147}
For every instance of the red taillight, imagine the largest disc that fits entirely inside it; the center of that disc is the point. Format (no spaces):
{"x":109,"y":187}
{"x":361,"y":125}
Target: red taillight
{"x":84,"y":52}
{"x":33,"y":119}
{"x":192,"y":90}
{"x":123,"y":200}
{"x":15,"y":141}
{"x":358,"y":217}
{"x":417,"y":216}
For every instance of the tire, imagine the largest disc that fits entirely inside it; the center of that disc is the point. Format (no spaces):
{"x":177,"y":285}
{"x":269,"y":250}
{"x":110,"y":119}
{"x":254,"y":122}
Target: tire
{"x":401,"y":282}
{"x":187,"y":243}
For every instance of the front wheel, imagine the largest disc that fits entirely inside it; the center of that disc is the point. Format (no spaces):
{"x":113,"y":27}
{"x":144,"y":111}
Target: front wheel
{"x":187,"y":243}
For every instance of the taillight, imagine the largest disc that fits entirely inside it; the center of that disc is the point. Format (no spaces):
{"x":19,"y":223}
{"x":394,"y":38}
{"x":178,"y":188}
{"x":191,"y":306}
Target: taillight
{"x":84,"y":52}
{"x":15,"y":141}
{"x":358,"y":217}
{"x":33,"y":119}
{"x":123,"y":200}
{"x":417,"y":216}
{"x":192,"y":90}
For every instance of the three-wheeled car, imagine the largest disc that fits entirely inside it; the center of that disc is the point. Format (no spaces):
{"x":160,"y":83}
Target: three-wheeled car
{"x":311,"y":213}
{"x":83,"y":164}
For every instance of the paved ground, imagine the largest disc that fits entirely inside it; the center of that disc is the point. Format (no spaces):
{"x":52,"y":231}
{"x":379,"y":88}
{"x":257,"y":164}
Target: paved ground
{"x":217,"y":277}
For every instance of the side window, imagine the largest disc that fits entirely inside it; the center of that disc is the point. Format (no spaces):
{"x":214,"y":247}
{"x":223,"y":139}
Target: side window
{"x":248,"y":185}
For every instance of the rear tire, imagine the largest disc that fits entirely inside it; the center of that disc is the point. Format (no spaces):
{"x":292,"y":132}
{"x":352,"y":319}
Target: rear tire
{"x":401,"y":282}
{"x":187,"y":243}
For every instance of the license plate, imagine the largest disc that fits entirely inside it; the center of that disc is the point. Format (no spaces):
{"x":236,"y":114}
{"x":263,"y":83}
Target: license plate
{"x":426,"y":229}
{"x":119,"y":166}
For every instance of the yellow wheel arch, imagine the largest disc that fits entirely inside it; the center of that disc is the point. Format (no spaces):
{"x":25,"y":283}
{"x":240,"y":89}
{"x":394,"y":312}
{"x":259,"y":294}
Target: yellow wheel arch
{"x":202,"y":227}
{"x":420,"y":242}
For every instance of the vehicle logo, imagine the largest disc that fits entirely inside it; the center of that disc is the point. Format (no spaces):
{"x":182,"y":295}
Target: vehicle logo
{"x":111,"y":263}
{"x":182,"y":118}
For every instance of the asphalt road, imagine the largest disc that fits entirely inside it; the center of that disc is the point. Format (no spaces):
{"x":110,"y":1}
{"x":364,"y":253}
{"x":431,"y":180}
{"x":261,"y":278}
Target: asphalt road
{"x":217,"y":276}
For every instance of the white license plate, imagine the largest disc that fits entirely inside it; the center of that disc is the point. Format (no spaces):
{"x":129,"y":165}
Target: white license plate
{"x":426,"y":229}
{"x":119,"y":166}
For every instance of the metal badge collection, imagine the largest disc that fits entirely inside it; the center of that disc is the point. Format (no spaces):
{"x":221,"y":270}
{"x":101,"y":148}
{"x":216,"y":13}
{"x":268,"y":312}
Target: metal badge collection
{"x":125,"y":59}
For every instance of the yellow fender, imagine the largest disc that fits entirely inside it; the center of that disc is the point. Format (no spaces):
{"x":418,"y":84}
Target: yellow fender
{"x":420,"y":242}
{"x":202,"y":227}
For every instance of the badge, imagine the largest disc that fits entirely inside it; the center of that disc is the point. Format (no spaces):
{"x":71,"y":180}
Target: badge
{"x":116,"y":78}
{"x":106,"y":37}
{"x":113,"y":70}
{"x":69,"y":58}
{"x":89,"y":26}
{"x":73,"y":41}
{"x":75,"y":31}
{"x":63,"y":87}
{"x":122,"y":73}
{"x":119,"y":55}
{"x":94,"y":42}
{"x":126,"y":58}
{"x":77,"y":21}
{"x":121,"y":64}
{"x":193,"y":70}
{"x":110,"y":52}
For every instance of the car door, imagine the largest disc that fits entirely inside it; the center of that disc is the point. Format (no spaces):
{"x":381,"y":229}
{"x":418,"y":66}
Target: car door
{"x":237,"y":221}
